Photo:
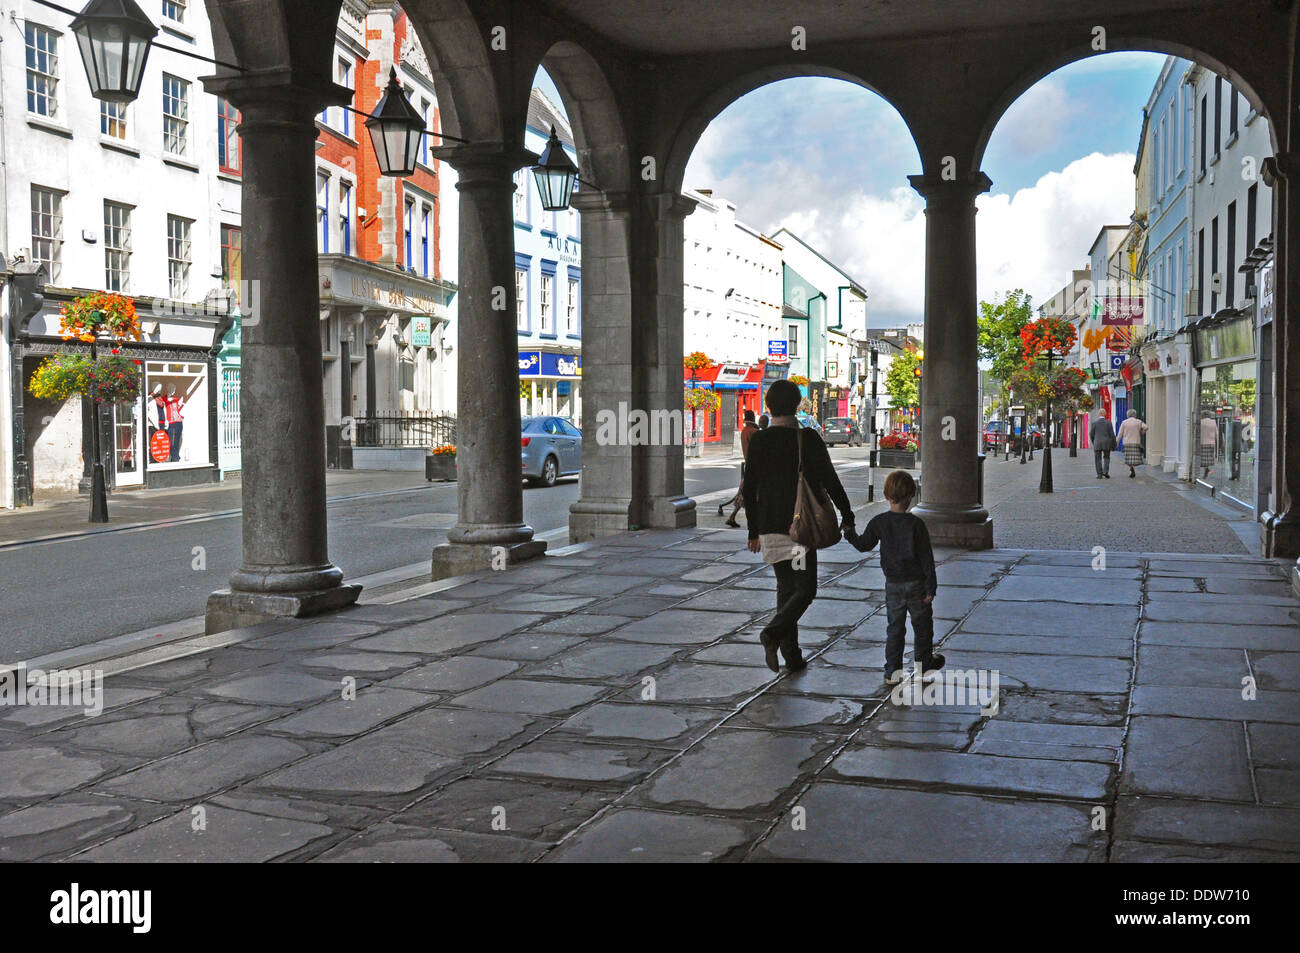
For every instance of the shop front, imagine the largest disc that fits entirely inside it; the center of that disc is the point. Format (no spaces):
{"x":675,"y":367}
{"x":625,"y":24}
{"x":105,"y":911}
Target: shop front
{"x":739,"y":387}
{"x":550,"y":384}
{"x":1224,"y":431}
{"x":167,"y":437}
{"x":1165,"y":363}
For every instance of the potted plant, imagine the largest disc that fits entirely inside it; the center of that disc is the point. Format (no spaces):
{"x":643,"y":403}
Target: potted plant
{"x":440,"y":463}
{"x":898,"y":451}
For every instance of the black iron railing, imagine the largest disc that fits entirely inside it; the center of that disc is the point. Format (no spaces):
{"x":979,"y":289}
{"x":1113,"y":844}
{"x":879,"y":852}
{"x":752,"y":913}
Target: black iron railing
{"x":408,"y":430}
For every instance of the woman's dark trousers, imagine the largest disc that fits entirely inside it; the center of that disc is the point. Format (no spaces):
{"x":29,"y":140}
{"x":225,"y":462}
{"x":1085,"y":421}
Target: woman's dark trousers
{"x":795,"y":590}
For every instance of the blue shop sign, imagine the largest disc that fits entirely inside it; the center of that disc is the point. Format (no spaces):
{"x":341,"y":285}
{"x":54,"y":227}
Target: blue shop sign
{"x":530,"y":363}
{"x":547,"y":364}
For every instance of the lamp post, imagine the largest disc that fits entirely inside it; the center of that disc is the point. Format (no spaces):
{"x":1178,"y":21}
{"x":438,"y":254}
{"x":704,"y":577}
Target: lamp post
{"x":98,"y":484}
{"x":871,"y":457}
{"x":1045,"y":481}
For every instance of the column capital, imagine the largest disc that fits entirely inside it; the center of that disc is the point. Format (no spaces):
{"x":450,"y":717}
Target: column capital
{"x":485,"y":163}
{"x":938,"y":190}
{"x":591,"y":200}
{"x":1282,"y":166}
{"x":277,"y":91}
{"x":673,"y":204}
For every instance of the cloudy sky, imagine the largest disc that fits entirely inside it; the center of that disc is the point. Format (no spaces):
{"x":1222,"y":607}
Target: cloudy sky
{"x":829,"y":161}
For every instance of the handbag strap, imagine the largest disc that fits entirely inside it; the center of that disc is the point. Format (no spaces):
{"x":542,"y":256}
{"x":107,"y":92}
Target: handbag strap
{"x":798,"y":443}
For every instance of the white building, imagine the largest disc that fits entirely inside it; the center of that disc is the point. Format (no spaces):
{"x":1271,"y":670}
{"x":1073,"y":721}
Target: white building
{"x":732,"y":293}
{"x":141,"y":199}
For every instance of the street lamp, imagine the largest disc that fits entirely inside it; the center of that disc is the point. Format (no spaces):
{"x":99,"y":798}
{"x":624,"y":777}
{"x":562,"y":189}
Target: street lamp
{"x":114,"y":37}
{"x":396,"y":130}
{"x":556,"y":175}
{"x":1045,"y":481}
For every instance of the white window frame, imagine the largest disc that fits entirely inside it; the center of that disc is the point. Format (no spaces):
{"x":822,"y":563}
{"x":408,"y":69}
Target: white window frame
{"x":571,"y":309}
{"x":110,"y":113}
{"x":176,"y":125}
{"x":546,"y":304}
{"x":117,"y":246}
{"x":43,"y":84}
{"x":174,"y":10}
{"x":523,"y":319}
{"x":323,"y":224}
{"x":47,"y":230}
{"x":180,"y":256}
{"x":347,"y":192}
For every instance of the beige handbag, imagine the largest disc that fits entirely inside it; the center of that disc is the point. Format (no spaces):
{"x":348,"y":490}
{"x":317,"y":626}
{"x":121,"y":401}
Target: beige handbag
{"x":815,"y":524}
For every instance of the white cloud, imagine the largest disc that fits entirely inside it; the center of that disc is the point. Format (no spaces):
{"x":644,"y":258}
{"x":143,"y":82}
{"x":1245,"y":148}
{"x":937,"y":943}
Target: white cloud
{"x":1032,"y":239}
{"x":1037,"y":121}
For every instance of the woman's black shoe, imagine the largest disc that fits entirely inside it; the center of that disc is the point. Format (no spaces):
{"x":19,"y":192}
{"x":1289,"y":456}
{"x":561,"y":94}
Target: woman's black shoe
{"x":769,"y":654}
{"x":733,"y":524}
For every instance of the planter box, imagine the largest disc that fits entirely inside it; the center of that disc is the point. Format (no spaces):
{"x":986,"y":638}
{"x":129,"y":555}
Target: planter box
{"x":896,"y":459}
{"x":440,"y":466}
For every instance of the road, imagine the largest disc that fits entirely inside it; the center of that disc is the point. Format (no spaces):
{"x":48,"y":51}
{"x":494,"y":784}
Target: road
{"x":66,"y":593}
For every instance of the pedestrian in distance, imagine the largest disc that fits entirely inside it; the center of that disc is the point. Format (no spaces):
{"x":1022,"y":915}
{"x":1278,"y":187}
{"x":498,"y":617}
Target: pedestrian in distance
{"x":746,"y":433}
{"x":763,"y":421}
{"x":770,"y":488}
{"x":1102,"y":437}
{"x":1130,"y":437}
{"x":907,"y":559}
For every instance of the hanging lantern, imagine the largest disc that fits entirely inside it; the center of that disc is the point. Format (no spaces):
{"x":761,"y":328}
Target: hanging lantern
{"x":114,"y":37}
{"x":556,"y":175}
{"x":395,"y":130}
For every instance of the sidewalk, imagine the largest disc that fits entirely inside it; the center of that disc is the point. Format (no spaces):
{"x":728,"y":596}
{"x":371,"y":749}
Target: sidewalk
{"x":609,"y":702}
{"x":128,"y":508}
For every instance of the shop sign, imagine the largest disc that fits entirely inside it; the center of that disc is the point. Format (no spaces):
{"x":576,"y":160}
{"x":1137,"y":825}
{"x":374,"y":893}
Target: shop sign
{"x":421,"y":331}
{"x":1265,"y":293}
{"x":530,"y":363}
{"x":160,"y":446}
{"x":777,"y":351}
{"x":1117,"y":361}
{"x":561,"y":365}
{"x":1122,"y":311}
{"x":732,"y":374}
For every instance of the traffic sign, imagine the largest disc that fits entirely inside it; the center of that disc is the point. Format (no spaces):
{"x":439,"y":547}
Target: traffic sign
{"x":1117,"y":361}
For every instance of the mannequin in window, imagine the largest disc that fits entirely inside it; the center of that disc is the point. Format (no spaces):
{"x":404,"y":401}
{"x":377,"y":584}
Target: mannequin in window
{"x":172,"y":404}
{"x":156,"y":411}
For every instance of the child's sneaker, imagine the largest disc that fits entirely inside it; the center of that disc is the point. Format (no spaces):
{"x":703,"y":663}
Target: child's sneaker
{"x":932,"y":666}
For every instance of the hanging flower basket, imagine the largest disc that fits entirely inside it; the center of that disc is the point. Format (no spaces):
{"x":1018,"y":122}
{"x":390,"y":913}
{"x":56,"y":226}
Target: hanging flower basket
{"x":109,"y":380}
{"x":799,"y":380}
{"x":1038,"y":338}
{"x":696,"y":361}
{"x":697,"y":398}
{"x":100,"y":315}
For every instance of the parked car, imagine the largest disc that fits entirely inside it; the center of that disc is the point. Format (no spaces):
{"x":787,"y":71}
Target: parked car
{"x":1036,"y":440}
{"x":551,"y":448}
{"x":993,"y":436}
{"x":841,"y":430}
{"x":809,"y":421}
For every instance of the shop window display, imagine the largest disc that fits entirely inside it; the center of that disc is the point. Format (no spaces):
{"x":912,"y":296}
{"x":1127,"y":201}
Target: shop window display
{"x":176,"y":404}
{"x":1225,"y":429}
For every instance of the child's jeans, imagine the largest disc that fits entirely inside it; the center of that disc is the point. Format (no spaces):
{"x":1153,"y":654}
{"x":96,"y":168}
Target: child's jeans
{"x":900,"y":599}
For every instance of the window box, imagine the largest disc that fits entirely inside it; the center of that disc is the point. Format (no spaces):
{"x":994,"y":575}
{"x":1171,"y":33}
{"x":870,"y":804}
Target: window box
{"x":440,"y":466}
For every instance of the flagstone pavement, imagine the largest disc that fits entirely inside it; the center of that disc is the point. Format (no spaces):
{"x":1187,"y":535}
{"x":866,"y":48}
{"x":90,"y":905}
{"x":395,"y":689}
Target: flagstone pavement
{"x":609,"y":702}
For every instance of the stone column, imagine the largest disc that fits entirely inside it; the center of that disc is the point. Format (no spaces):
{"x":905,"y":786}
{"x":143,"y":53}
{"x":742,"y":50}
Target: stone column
{"x":950,"y":417}
{"x":1280,"y":529}
{"x":286,"y":569}
{"x":489,"y":487}
{"x":632,"y":365}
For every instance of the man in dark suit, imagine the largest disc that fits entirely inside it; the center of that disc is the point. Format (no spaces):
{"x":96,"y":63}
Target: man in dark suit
{"x":1102,"y":437}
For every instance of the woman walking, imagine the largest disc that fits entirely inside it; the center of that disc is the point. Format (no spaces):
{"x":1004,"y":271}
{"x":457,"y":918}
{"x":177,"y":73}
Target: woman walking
{"x":771,"y":482}
{"x":746,"y":434}
{"x":1130,"y":435}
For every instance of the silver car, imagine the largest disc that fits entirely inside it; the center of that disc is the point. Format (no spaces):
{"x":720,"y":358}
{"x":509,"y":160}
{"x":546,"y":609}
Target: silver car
{"x":551,"y":448}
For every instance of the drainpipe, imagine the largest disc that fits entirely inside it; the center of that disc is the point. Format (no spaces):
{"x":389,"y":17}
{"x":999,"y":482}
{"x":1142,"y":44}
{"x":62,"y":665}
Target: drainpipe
{"x":6,"y":391}
{"x":1191,"y":379}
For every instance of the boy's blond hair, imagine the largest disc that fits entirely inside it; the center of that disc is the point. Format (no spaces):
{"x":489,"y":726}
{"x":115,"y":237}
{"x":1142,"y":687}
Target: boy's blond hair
{"x":899,"y":487}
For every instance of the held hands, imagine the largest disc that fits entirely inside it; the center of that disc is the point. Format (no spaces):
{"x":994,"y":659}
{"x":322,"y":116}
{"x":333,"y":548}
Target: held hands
{"x":929,"y":599}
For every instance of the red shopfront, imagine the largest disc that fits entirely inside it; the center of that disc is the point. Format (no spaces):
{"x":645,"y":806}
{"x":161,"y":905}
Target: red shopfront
{"x":741,"y":381}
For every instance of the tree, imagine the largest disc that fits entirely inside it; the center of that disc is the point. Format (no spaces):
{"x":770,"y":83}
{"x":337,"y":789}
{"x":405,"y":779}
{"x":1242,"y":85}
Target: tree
{"x":900,"y":380}
{"x":1000,"y":324}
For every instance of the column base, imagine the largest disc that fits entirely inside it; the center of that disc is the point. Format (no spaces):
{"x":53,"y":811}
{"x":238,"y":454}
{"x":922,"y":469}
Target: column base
{"x":234,"y":609}
{"x":669,"y":512}
{"x":960,"y":534}
{"x":589,"y":520}
{"x":457,"y":559}
{"x":1279,"y":535}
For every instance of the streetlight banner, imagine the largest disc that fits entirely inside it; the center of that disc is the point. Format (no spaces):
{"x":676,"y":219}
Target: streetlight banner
{"x":1122,"y":312}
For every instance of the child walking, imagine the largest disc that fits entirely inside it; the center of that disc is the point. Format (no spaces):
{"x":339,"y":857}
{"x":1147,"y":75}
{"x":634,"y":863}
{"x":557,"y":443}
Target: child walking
{"x":910,"y":582}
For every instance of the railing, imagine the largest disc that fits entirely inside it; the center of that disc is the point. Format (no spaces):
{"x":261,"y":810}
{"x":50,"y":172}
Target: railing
{"x":408,"y":430}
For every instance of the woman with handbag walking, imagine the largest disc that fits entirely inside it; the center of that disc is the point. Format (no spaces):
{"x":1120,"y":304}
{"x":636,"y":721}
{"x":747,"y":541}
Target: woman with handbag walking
{"x":1130,"y":438}
{"x":789,"y":485}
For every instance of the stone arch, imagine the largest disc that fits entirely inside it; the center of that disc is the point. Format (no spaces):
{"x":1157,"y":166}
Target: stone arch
{"x":276,"y":37}
{"x":598,"y":128}
{"x":470,"y":94}
{"x":1268,"y":106}
{"x":692,"y":125}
